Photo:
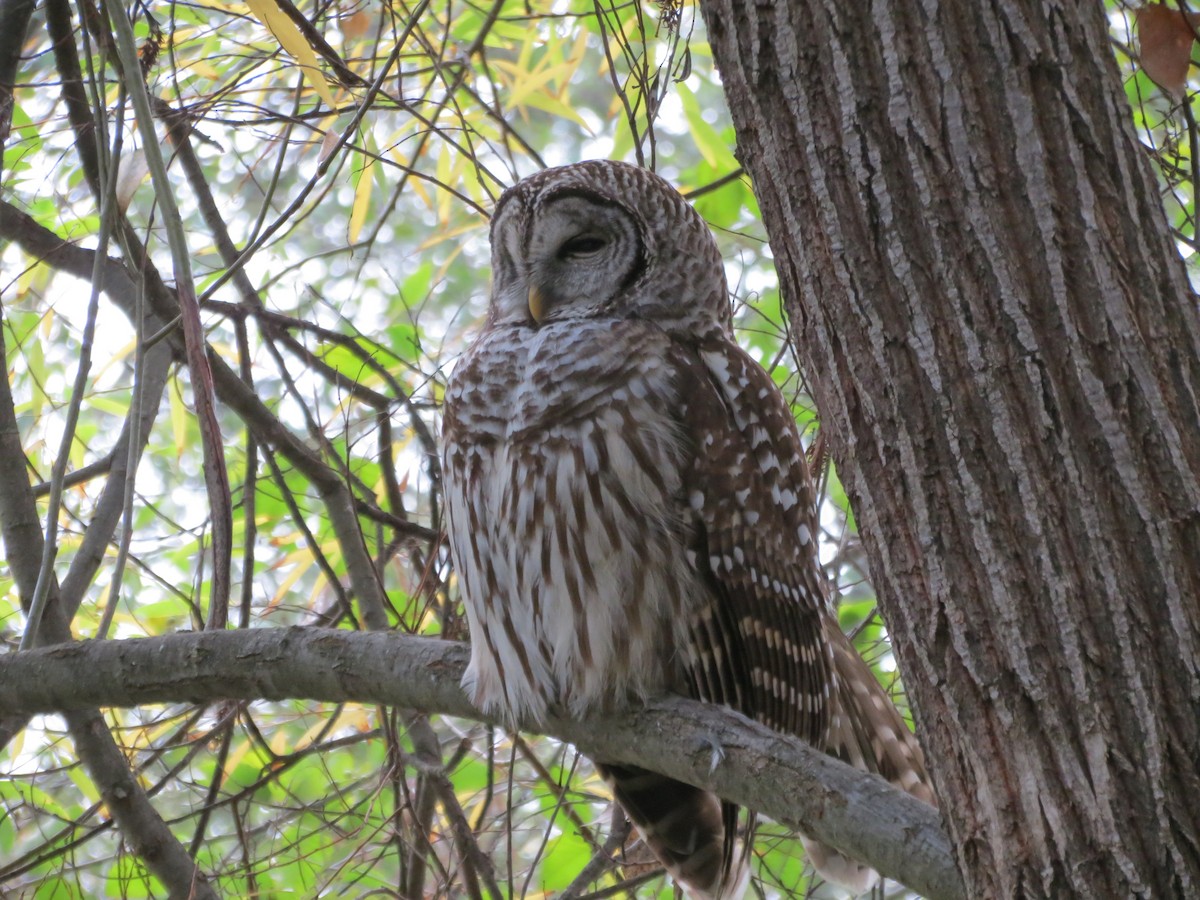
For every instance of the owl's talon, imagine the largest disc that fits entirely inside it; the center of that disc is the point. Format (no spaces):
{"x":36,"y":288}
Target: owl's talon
{"x":716,"y":750}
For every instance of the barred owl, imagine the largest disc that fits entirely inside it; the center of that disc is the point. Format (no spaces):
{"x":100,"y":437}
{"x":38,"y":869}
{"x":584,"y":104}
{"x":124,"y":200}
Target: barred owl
{"x":631,"y":512}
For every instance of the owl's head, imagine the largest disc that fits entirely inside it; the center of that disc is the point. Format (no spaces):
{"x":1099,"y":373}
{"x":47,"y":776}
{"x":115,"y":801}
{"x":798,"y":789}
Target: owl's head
{"x":605,"y":239}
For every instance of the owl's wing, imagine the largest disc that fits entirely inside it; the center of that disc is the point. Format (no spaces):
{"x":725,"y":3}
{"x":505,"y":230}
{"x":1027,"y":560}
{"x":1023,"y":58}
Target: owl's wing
{"x":755,"y":638}
{"x":866,"y":730}
{"x":758,"y":642}
{"x":765,"y":642}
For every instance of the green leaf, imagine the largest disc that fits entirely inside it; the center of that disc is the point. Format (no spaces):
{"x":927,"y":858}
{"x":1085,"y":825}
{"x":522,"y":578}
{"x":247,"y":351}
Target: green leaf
{"x":715,"y":149}
{"x":565,"y":855}
{"x":127,"y":877}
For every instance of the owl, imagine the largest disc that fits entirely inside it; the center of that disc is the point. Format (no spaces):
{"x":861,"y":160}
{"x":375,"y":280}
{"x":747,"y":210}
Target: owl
{"x":630,"y":510}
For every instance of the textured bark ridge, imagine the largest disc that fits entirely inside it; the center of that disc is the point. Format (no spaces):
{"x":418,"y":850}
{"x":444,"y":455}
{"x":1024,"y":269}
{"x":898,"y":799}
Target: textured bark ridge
{"x":1006,"y":353}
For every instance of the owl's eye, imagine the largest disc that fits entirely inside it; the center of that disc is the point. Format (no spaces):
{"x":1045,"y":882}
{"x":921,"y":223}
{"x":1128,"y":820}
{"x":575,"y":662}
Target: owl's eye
{"x":582,"y":245}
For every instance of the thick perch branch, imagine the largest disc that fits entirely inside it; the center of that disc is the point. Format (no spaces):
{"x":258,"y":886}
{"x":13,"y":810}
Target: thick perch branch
{"x":703,"y":744}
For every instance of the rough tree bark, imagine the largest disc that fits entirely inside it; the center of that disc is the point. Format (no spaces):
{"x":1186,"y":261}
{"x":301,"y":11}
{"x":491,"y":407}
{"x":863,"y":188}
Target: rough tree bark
{"x":1006,"y":354}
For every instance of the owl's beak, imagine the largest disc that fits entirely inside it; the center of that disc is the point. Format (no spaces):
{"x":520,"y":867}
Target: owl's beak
{"x":537,"y":304}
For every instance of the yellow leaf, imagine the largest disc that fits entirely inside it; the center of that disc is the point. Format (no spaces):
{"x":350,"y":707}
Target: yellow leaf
{"x":417,"y":185}
{"x":85,"y":786}
{"x":290,"y":38}
{"x":237,"y":752}
{"x":16,"y":746}
{"x":204,"y":69}
{"x":580,"y":49}
{"x":523,"y":61}
{"x":419,"y":189}
{"x":439,"y":236}
{"x":291,"y":743}
{"x":362,"y":197}
{"x":301,"y":561}
{"x":448,"y":168}
{"x":554,"y":106}
{"x":524,"y":81}
{"x":179,"y":417}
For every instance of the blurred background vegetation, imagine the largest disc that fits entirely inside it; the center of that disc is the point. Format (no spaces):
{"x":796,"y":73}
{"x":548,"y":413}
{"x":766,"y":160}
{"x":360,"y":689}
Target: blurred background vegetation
{"x":341,"y":159}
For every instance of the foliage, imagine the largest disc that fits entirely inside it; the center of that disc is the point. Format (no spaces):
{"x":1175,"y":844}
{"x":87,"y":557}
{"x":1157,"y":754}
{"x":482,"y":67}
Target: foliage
{"x":333,"y":170}
{"x":1154,"y":46}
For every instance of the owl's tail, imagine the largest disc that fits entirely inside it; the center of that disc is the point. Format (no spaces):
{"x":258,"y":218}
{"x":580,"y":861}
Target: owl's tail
{"x":694,"y":833}
{"x":868,"y":732}
{"x":691,"y":831}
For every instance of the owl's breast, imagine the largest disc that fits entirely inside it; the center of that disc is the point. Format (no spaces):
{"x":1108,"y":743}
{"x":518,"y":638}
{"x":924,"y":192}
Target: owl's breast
{"x":568,"y":520}
{"x":576,"y":371}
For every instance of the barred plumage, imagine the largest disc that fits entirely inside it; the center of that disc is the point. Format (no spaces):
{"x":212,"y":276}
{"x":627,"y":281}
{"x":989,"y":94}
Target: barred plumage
{"x":630,"y":508}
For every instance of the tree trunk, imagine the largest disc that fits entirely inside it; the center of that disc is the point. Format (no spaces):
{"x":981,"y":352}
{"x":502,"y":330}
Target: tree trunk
{"x":1001,"y":340}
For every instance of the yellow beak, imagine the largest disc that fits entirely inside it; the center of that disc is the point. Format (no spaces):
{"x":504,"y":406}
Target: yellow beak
{"x":537,"y":305}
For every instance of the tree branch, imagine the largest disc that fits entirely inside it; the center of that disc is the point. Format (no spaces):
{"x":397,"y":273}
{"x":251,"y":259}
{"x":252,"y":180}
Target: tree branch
{"x":212,"y":443}
{"x":14,"y":23}
{"x":699,"y":743}
{"x":142,"y":827}
{"x":339,"y":501}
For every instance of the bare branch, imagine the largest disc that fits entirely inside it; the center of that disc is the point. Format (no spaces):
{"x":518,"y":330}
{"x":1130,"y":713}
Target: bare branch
{"x":126,"y":799}
{"x":705,"y":745}
{"x":216,"y":476}
{"x":14,"y":22}
{"x":232,"y":390}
